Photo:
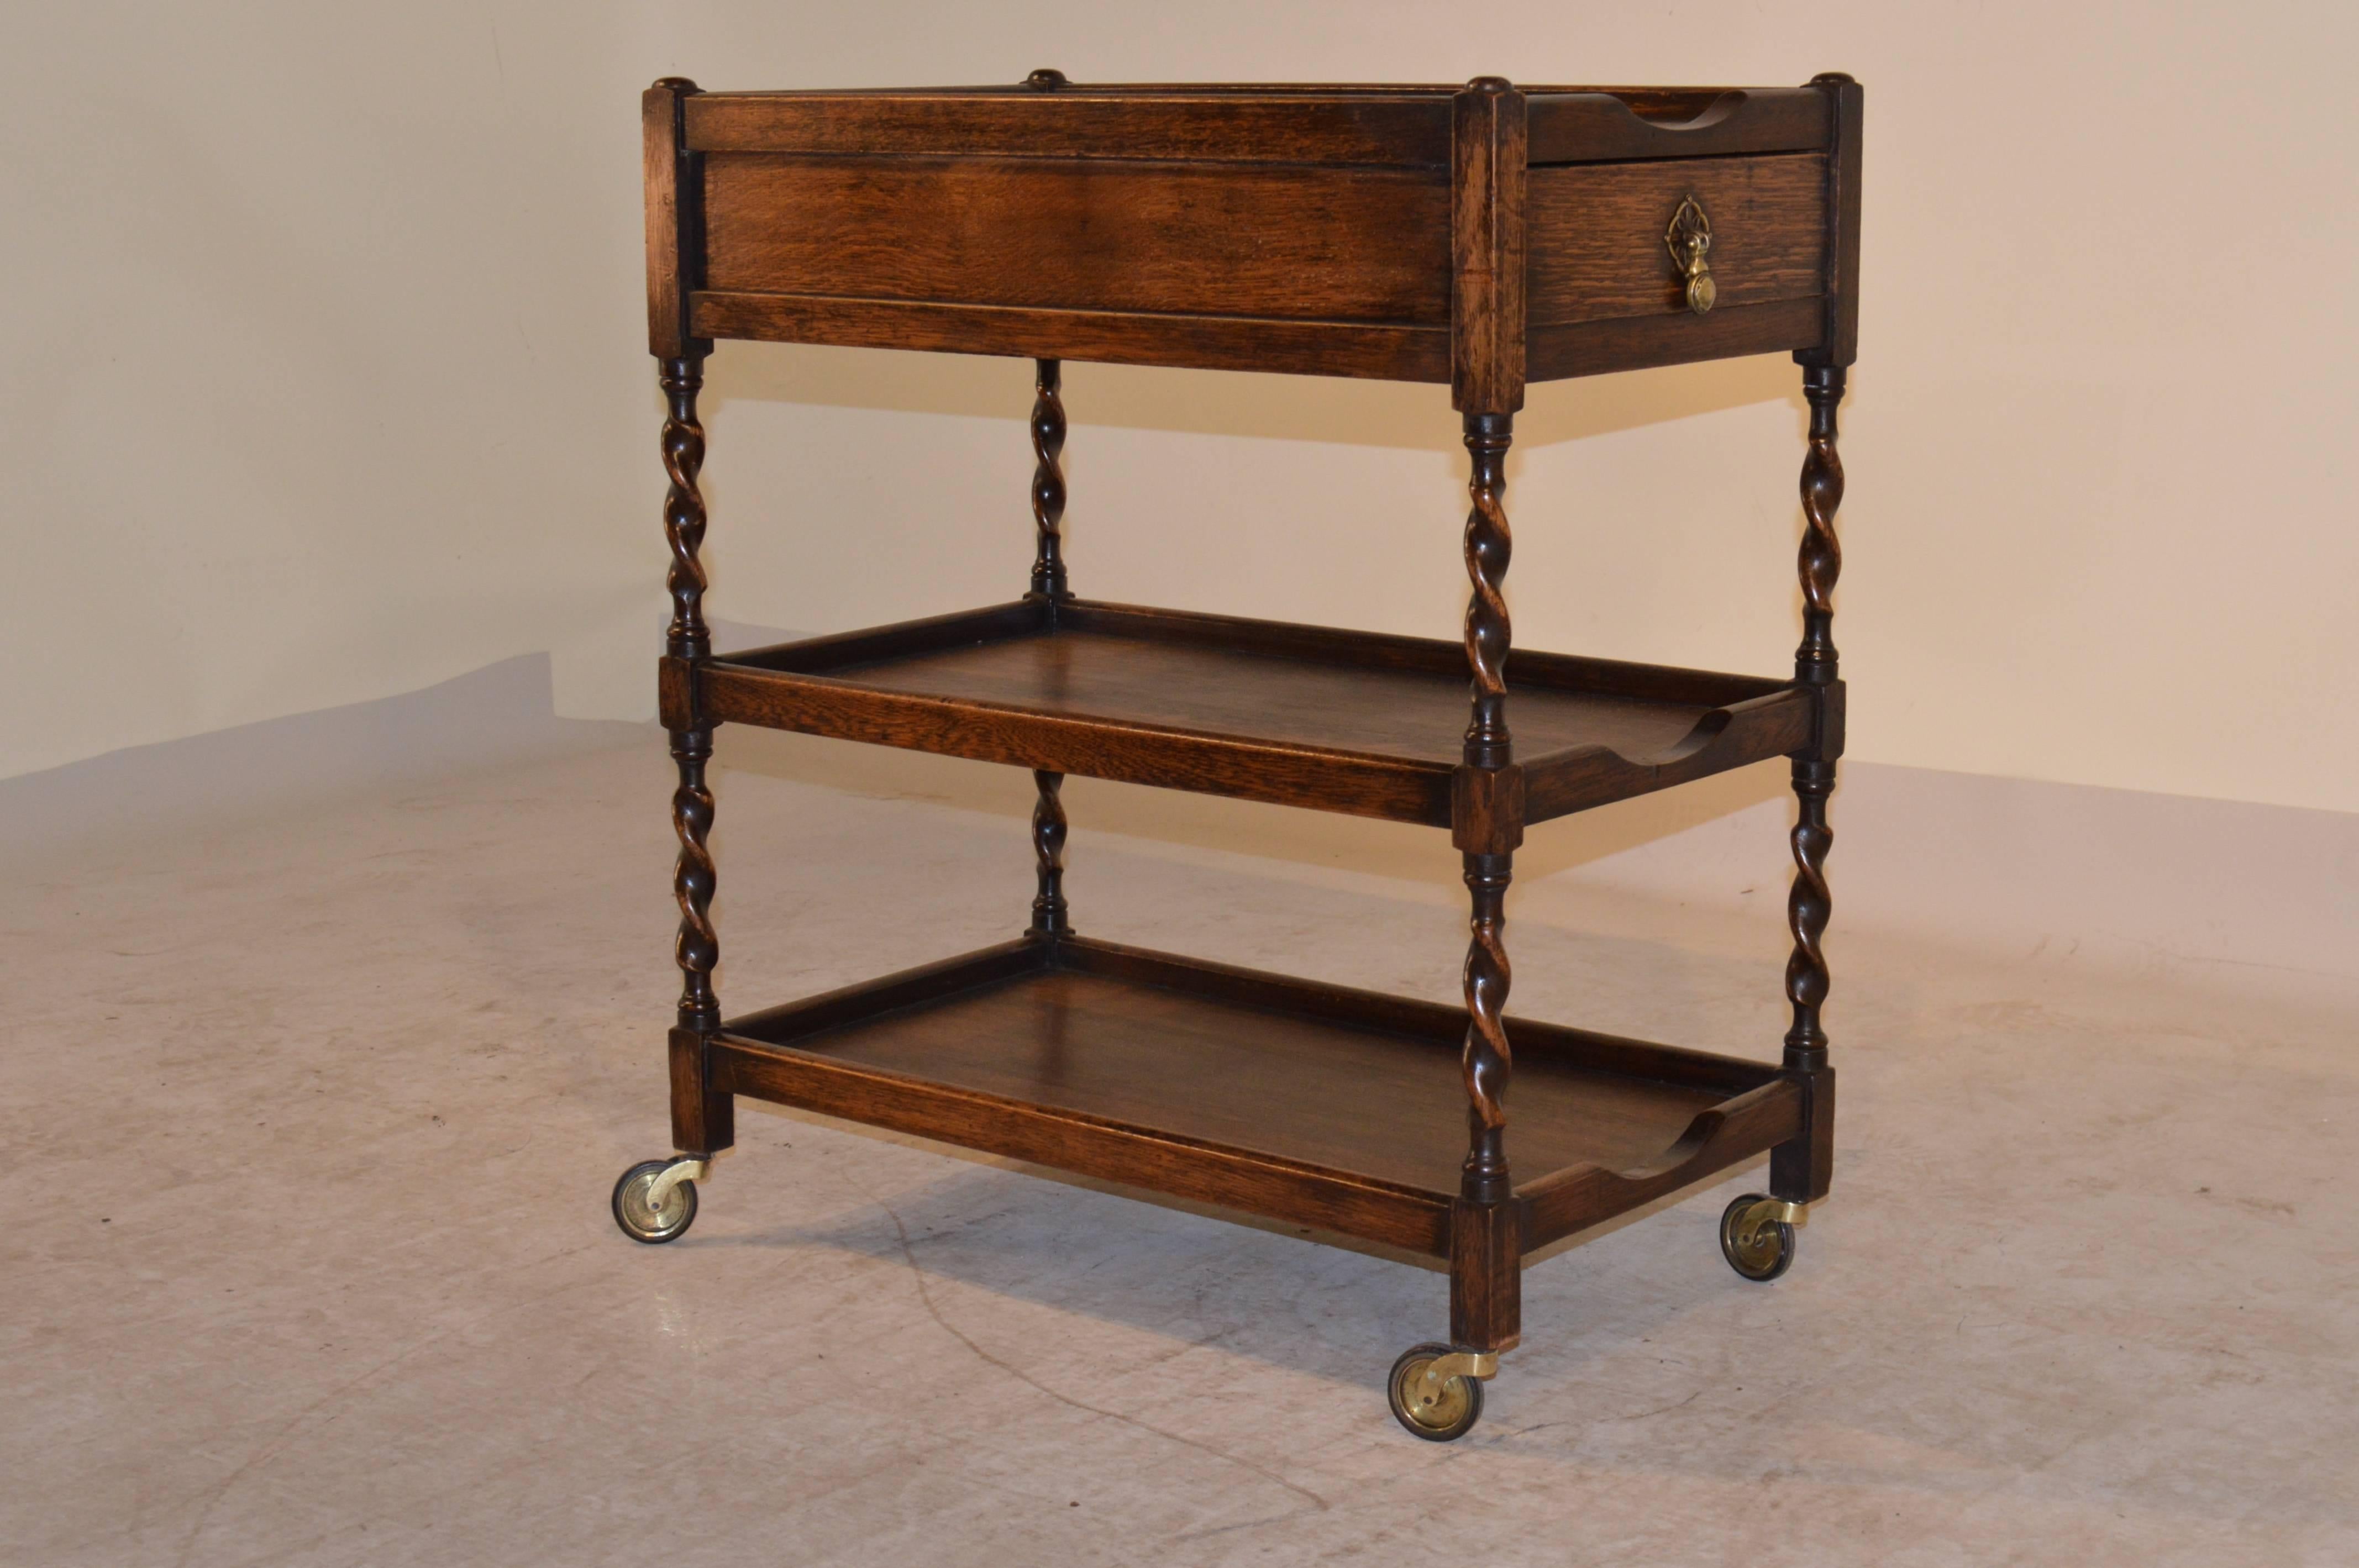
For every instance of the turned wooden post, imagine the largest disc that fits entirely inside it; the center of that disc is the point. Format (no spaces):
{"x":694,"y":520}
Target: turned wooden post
{"x":703,"y":1120}
{"x":1801,"y":1169}
{"x":1047,"y":481}
{"x":1488,"y":153}
{"x":689,"y":639}
{"x":1486,"y":1311}
{"x":1050,"y":917}
{"x":1490,"y":864}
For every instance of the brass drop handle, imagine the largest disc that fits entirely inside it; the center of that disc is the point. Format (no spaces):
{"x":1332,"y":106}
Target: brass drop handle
{"x":1688,"y":239}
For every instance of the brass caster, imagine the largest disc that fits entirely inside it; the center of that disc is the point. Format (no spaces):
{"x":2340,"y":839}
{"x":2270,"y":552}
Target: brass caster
{"x":656,"y":1201}
{"x":1756,"y":1235}
{"x":1435,"y":1391}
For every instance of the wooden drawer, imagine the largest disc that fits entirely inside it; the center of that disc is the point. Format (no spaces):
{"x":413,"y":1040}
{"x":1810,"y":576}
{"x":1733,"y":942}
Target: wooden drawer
{"x":1336,"y":231}
{"x":1286,"y":241}
{"x":1596,"y":256}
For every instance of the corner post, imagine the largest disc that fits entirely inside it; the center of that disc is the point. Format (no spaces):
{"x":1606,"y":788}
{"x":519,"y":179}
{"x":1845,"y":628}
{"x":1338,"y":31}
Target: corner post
{"x":1488,"y":146}
{"x":703,"y":1120}
{"x":1802,"y":1170}
{"x":1047,"y":481}
{"x":1051,"y":917}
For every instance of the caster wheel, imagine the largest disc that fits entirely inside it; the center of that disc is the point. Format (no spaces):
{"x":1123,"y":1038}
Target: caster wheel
{"x":1436,"y":1409}
{"x":653,"y":1222}
{"x":1760,"y":1251}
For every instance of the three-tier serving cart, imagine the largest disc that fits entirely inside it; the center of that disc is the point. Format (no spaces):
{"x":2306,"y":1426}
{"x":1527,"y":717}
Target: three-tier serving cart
{"x":1482,"y":235}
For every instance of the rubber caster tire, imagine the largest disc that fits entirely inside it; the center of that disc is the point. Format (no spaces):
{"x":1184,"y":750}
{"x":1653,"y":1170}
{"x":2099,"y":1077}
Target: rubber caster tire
{"x":642,"y":1221}
{"x":1764,"y":1251}
{"x":1436,"y":1415}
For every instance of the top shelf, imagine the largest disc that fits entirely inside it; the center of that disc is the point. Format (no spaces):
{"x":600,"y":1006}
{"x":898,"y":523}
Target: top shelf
{"x":1400,"y":127}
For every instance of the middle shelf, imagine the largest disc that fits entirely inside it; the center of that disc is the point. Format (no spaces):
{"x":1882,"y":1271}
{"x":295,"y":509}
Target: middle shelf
{"x":1351,"y":721}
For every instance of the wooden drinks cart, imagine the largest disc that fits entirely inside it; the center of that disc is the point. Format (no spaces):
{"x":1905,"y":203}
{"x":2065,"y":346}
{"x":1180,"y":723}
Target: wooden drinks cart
{"x":1482,"y":236}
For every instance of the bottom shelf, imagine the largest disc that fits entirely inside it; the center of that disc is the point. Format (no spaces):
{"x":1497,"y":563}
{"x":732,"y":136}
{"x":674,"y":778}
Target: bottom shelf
{"x":1284,"y":1097}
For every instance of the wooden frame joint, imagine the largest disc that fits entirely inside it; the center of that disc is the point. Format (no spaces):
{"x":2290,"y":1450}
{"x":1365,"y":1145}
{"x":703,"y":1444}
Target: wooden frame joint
{"x":1828,"y":707}
{"x":1486,"y":1268}
{"x":704,"y":1119}
{"x":678,"y":703}
{"x":1486,"y":809}
{"x":1839,"y":338}
{"x":1489,"y":149}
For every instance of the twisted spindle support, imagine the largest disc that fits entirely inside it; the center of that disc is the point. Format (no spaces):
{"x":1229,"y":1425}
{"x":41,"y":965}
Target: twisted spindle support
{"x":1049,"y":916}
{"x":1487,"y":1062}
{"x":697,"y":948}
{"x":1048,"y":480}
{"x":1484,"y":1292}
{"x":1808,"y":904}
{"x":1488,"y":547}
{"x":1800,"y":1170}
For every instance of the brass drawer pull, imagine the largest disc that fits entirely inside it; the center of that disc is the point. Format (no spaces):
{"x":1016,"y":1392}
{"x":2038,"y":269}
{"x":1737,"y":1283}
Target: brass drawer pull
{"x":1688,"y":239}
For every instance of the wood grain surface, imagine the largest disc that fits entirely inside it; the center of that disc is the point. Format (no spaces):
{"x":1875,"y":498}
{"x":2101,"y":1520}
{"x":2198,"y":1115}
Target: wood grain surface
{"x":1286,"y":242}
{"x":1596,"y":240}
{"x":1361,"y":723}
{"x":1365,"y":349}
{"x":1288,"y":1096}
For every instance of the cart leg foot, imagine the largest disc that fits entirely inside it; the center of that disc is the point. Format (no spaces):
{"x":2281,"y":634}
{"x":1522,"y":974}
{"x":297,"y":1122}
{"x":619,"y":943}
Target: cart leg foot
{"x":1435,"y":1391}
{"x":655,"y":1201}
{"x":1756,"y":1235}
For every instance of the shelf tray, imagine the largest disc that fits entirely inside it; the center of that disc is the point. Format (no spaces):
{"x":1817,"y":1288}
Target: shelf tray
{"x":1348,"y":721}
{"x":1306,"y":1102}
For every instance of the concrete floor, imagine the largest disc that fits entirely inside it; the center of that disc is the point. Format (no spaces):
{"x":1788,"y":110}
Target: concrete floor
{"x":313,"y":1121}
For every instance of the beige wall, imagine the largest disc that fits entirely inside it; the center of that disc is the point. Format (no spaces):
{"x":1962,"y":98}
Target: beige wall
{"x":325,"y":381}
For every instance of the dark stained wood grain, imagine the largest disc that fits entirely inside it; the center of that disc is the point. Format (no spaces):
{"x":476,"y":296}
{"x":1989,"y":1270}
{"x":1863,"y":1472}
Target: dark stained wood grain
{"x":1578,"y":778}
{"x":1047,"y":431}
{"x":1242,"y":767}
{"x":1486,"y":1311}
{"x":1800,"y":1170}
{"x":1642,"y":342}
{"x":1283,"y":242}
{"x":674,"y":226}
{"x":1487,"y":248}
{"x":1630,"y":123}
{"x":1369,"y":351}
{"x":906,"y":988}
{"x":867,"y":644}
{"x":676,"y":692}
{"x":1481,"y":235}
{"x":1845,"y":104}
{"x":1273,"y":123}
{"x":1488,"y":809}
{"x":1301,"y":716}
{"x":1596,"y":241}
{"x":1580,"y":1049}
{"x":1111,"y":1150}
{"x":1286,"y":639}
{"x":704,"y":1119}
{"x":1282,"y":1097}
{"x":1052,"y":915}
{"x":1575,"y":1199}
{"x":1316,"y":126}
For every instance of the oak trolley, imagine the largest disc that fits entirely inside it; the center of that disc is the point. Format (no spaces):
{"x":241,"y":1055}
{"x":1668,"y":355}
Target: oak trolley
{"x":1482,"y":236}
